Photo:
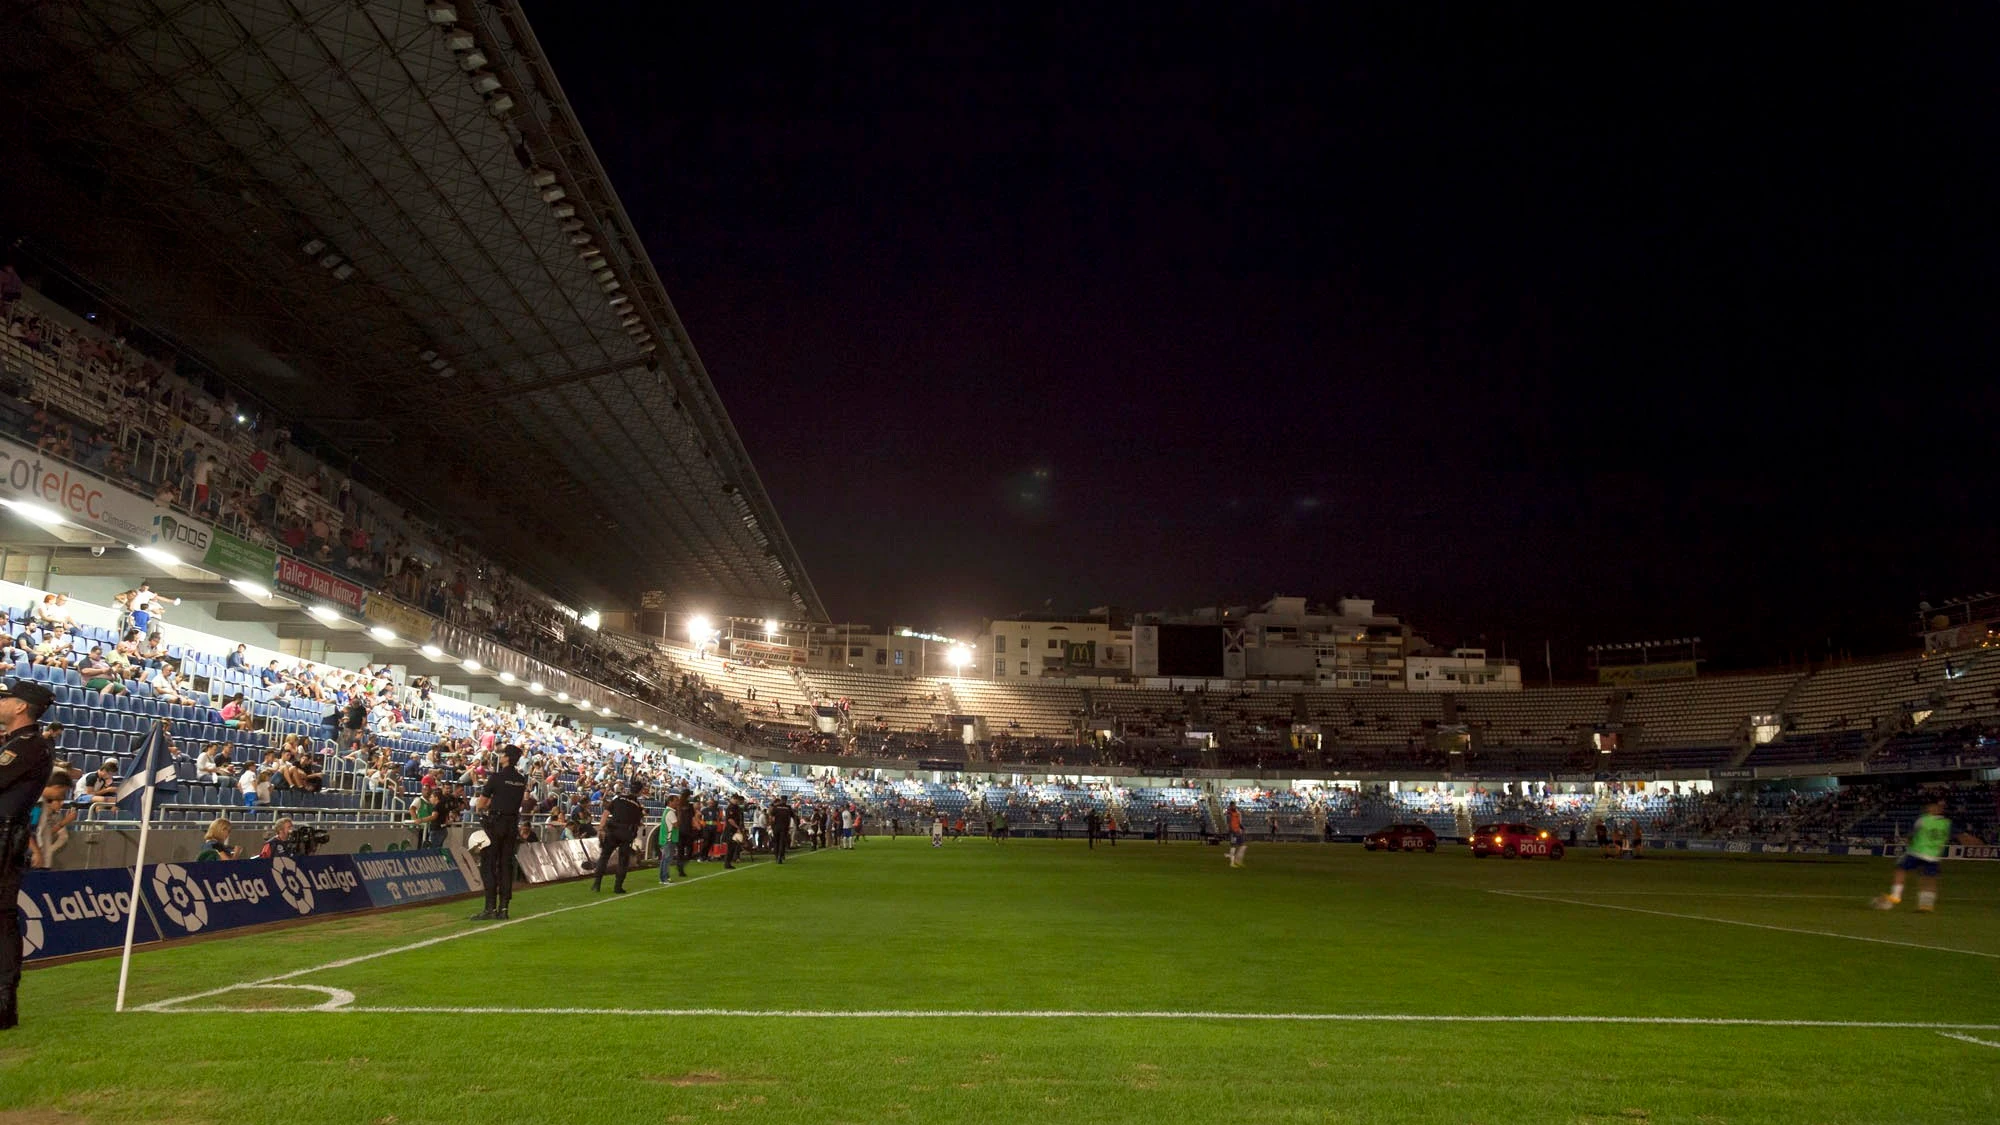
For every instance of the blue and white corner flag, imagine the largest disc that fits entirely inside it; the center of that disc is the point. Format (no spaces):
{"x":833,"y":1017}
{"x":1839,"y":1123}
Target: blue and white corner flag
{"x":155,"y":765}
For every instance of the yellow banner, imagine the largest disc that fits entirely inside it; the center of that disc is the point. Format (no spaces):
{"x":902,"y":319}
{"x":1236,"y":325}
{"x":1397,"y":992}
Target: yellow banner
{"x":1646,"y":673}
{"x":408,"y":623}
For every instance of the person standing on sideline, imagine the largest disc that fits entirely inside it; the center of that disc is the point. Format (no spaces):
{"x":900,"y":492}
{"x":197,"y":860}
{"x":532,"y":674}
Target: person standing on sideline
{"x":850,"y":822}
{"x":499,"y":806}
{"x":1091,"y":824}
{"x":1236,"y":844}
{"x":1929,"y":840}
{"x":732,"y":833}
{"x":937,"y":831}
{"x":618,"y":829}
{"x":781,"y":827}
{"x":670,"y":837}
{"x":684,"y":826}
{"x":26,"y":763}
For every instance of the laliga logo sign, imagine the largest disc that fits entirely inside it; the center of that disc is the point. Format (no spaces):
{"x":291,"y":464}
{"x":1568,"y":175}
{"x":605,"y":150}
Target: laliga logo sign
{"x":31,"y":924}
{"x":180,"y":897}
{"x":293,"y":886}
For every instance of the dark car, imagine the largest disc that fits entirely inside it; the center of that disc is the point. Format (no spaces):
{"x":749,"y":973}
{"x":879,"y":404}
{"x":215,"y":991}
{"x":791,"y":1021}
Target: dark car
{"x":1514,"y":841}
{"x":1402,"y":838}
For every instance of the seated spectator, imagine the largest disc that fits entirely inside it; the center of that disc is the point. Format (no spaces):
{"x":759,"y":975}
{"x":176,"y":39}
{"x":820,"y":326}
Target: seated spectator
{"x":254,"y":785}
{"x":236,"y":713}
{"x":214,"y":763}
{"x":99,"y":788}
{"x":270,"y":674}
{"x":53,"y":651}
{"x":166,"y":686}
{"x":239,"y":661}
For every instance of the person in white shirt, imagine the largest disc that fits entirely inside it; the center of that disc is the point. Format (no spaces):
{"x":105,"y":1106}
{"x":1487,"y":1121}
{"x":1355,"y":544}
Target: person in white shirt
{"x":937,"y":831}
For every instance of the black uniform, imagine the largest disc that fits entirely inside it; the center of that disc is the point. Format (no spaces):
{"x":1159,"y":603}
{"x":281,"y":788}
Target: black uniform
{"x":623,"y":819}
{"x":505,"y":790}
{"x":732,"y":834}
{"x":685,"y":848}
{"x":781,"y":828}
{"x":1091,"y":824}
{"x":25,"y":765}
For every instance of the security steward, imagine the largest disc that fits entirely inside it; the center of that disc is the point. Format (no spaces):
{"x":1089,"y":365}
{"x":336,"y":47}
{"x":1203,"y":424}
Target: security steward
{"x":25,"y":764}
{"x":781,"y":827}
{"x":499,"y":805}
{"x":623,"y":817}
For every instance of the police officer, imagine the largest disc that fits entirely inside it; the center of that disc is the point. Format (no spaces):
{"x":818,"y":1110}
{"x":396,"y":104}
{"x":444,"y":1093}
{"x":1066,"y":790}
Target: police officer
{"x":781,"y":827}
{"x":623,"y":816}
{"x":499,"y":807}
{"x":25,"y":764}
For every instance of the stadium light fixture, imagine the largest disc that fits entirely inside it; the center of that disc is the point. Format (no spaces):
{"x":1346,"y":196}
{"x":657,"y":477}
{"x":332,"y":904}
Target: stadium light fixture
{"x":242,"y":419}
{"x":958,"y":657}
{"x":312,"y":248}
{"x":324,"y":613}
{"x":460,"y":39}
{"x":562,"y":697}
{"x":343,"y":271}
{"x":561,"y":210}
{"x":469,"y":664}
{"x":35,"y":513}
{"x":535,"y":686}
{"x":500,"y":105}
{"x":506,"y":677}
{"x":382,"y":633}
{"x":472,"y":60}
{"x":591,"y":620}
{"x":484,"y":81}
{"x":156,"y":556}
{"x":431,"y":652}
{"x":771,"y":628}
{"x":442,"y":13}
{"x":250,"y":588}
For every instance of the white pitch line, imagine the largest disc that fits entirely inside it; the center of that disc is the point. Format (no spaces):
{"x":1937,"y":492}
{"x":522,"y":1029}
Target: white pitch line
{"x":482,"y":928}
{"x":1751,"y":925}
{"x":1969,"y":1039}
{"x":1060,"y":1014}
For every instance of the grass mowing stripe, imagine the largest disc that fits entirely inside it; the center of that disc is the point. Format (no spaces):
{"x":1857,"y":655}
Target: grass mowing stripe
{"x":1970,"y":1039}
{"x":1751,"y":925}
{"x":1045,"y":1014}
{"x":482,"y":928}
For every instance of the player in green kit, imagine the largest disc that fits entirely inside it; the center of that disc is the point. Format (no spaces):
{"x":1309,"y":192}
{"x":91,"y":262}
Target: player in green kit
{"x":1928,"y":841}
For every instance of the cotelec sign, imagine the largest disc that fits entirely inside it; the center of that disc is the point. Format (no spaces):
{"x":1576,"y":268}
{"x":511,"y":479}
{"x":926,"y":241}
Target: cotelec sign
{"x":75,"y":494}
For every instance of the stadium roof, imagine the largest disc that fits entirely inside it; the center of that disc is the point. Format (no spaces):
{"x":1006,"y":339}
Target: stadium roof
{"x":328,"y":201}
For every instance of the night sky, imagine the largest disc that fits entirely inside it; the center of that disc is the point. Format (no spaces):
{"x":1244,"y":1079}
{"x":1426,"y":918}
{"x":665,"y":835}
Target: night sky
{"x":1567,"y":331}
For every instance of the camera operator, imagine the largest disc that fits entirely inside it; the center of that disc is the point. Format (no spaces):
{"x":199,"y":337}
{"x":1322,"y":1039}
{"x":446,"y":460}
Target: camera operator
{"x":279,"y":842}
{"x":623,"y":816}
{"x":499,"y":807}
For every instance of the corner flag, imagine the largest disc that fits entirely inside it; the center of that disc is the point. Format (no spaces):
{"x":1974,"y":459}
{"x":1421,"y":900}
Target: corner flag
{"x":155,"y":764}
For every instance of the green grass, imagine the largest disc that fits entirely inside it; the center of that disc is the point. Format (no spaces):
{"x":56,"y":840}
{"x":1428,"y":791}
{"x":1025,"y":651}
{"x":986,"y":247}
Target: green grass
{"x":1037,"y":925}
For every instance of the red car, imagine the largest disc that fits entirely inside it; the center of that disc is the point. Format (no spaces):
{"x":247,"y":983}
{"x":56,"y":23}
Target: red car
{"x":1514,"y":841}
{"x":1401,"y":838}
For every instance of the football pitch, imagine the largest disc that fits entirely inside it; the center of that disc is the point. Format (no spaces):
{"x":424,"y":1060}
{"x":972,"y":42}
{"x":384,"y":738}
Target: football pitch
{"x":1043,"y":981}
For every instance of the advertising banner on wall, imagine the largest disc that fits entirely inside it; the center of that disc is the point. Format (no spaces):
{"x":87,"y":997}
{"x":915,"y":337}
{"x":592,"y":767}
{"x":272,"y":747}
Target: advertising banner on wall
{"x":74,"y":494}
{"x":233,"y":557}
{"x":65,"y":912}
{"x":199,"y":898}
{"x":295,"y":575}
{"x":183,"y":535}
{"x":1646,"y":673}
{"x":399,"y":878}
{"x":407,"y":623}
